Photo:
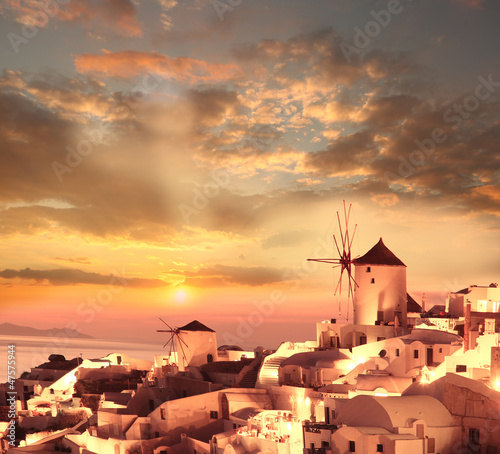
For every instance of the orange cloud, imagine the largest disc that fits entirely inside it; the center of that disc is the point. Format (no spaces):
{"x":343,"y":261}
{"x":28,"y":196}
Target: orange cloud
{"x":385,"y":200}
{"x":118,"y":16}
{"x":130,"y":63}
{"x":492,"y":192}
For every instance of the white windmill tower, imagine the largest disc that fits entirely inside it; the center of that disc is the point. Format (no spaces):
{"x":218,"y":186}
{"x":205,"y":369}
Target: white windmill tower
{"x":377,"y":291}
{"x":196,"y":344}
{"x":380,"y":296}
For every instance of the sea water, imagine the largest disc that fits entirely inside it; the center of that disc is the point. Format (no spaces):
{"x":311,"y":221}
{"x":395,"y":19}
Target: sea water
{"x":31,"y":351}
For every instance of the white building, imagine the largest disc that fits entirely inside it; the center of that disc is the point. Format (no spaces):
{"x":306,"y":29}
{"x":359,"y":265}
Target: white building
{"x":402,"y":425}
{"x":481,"y":298}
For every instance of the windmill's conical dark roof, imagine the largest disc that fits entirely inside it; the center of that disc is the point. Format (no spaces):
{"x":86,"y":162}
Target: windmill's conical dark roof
{"x":379,"y":255}
{"x":195,"y":325}
{"x":412,"y":305}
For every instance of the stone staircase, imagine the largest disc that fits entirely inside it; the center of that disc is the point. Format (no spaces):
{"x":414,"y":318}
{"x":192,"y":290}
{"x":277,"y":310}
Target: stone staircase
{"x":269,"y":372}
{"x":250,"y":378}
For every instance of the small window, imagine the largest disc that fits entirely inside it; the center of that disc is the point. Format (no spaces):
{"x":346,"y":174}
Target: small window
{"x":325,"y":444}
{"x":461,"y":368}
{"x":368,"y":269}
{"x":474,"y":437}
{"x":440,"y":350}
{"x":162,"y":413}
{"x":373,"y":280}
{"x":380,"y":338}
{"x":352,"y":446}
{"x":397,"y":351}
{"x":214,"y":415}
{"x":380,"y":448}
{"x":415,"y":354}
{"x":362,"y":340}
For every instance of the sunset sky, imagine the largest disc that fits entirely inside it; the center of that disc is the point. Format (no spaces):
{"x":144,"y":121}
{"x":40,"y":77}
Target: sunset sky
{"x":183,"y":159}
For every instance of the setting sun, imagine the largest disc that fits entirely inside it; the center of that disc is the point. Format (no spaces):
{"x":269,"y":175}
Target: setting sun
{"x":180,"y":296}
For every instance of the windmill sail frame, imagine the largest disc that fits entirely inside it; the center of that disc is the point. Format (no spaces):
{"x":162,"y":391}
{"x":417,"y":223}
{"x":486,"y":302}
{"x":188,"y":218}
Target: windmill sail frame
{"x":175,"y":340}
{"x":344,"y":261}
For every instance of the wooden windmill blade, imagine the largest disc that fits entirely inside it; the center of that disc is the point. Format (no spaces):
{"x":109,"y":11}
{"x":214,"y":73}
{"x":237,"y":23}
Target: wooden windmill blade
{"x":170,"y":328}
{"x":179,"y":343}
{"x":175,"y":338}
{"x":169,"y":341}
{"x":344,"y":260}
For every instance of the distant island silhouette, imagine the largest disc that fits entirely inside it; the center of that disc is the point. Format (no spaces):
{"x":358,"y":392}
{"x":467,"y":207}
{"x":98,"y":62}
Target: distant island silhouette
{"x":9,"y":329}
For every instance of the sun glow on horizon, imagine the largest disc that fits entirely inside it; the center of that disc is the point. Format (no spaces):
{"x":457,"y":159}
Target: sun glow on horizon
{"x":180,"y":296}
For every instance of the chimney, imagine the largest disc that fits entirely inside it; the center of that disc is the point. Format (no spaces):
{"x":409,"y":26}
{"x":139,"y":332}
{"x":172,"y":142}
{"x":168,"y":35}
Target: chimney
{"x":467,"y":327}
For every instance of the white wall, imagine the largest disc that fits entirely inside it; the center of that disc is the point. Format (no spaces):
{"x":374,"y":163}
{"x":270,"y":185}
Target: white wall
{"x":349,"y":334}
{"x":482,"y":299}
{"x":200,"y":344}
{"x":387,"y":294}
{"x":113,"y":424}
{"x":126,"y":360}
{"x":233,"y":355}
